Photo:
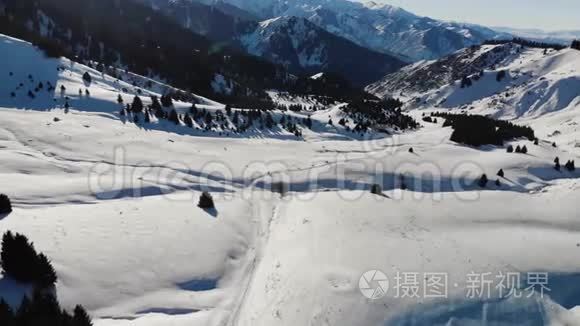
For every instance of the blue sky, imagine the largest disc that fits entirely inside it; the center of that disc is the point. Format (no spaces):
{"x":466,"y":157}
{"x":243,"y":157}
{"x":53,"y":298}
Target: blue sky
{"x":542,"y":14}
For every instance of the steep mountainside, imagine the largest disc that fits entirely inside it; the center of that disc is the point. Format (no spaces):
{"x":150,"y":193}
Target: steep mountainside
{"x":424,"y":76}
{"x":382,"y":28}
{"x":218,"y":21}
{"x":506,"y":80}
{"x":133,"y":36}
{"x":129,"y":34}
{"x":303,"y":46}
{"x":294,"y":42}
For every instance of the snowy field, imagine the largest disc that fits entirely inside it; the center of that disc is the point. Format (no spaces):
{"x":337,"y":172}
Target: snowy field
{"x":113,"y":204}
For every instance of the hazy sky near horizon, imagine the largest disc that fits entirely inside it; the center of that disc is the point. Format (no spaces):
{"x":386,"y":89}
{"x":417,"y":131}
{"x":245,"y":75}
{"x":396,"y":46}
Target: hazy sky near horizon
{"x":542,"y":14}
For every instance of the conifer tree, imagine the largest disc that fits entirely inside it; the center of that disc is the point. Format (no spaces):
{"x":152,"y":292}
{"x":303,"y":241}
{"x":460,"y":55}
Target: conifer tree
{"x":87,"y":77}
{"x":21,"y":262}
{"x":137,"y":105}
{"x":46,"y":275}
{"x":483,"y":181}
{"x":5,"y":204}
{"x":206,"y":201}
{"x":376,"y":189}
{"x":173,"y":117}
{"x":188,"y":121}
{"x":80,"y":317}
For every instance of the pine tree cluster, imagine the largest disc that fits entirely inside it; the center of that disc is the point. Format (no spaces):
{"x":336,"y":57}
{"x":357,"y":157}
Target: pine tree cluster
{"x":42,"y":309}
{"x":378,"y":113}
{"x":476,"y":130}
{"x":21,"y":262}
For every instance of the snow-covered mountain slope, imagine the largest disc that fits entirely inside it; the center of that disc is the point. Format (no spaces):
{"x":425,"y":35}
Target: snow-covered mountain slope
{"x":303,"y":46}
{"x":382,"y":27}
{"x":113,"y":205}
{"x":535,"y":81}
{"x":424,"y":76}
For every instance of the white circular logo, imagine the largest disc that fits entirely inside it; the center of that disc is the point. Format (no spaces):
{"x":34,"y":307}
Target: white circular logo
{"x":373,"y":284}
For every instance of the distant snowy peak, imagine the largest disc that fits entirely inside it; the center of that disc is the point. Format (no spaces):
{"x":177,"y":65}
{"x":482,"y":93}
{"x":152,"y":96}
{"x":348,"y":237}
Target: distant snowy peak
{"x":377,"y":26}
{"x":303,"y":46}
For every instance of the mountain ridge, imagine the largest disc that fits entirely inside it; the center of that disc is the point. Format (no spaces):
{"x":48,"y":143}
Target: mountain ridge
{"x":380,"y":27}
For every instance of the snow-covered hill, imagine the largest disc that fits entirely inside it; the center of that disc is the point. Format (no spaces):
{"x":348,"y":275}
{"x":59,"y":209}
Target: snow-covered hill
{"x":113,"y":204}
{"x":379,"y":27}
{"x":506,"y":81}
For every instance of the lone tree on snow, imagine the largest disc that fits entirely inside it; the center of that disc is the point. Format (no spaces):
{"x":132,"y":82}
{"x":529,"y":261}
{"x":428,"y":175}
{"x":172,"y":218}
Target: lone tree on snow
{"x":87,"y":78}
{"x":376,"y":189}
{"x":483,"y":181}
{"x":5,"y":204}
{"x":500,"y":173}
{"x":206,"y":201}
{"x":411,"y":150}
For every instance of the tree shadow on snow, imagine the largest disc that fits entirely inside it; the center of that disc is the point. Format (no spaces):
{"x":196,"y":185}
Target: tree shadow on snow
{"x":211,"y":211}
{"x":199,"y":285}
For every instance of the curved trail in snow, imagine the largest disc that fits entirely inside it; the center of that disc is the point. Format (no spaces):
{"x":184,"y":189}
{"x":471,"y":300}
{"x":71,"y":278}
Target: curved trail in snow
{"x":256,"y":252}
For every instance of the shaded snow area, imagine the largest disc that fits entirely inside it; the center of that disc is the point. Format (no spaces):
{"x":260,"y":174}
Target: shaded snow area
{"x":114,"y":206}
